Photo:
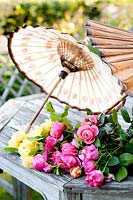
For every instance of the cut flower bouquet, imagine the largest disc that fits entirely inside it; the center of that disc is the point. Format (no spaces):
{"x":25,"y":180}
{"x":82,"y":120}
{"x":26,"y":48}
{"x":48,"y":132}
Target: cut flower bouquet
{"x":97,"y":147}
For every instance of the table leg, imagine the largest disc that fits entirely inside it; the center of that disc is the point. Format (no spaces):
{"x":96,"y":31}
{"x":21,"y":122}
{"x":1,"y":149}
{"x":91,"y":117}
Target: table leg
{"x":21,"y":191}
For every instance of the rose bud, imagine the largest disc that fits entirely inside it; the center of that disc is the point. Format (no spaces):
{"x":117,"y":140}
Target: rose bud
{"x":75,"y":172}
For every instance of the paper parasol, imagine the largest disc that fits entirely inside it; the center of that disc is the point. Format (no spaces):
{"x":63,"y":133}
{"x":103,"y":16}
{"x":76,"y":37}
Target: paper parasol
{"x":46,"y":57}
{"x":116,"y":47}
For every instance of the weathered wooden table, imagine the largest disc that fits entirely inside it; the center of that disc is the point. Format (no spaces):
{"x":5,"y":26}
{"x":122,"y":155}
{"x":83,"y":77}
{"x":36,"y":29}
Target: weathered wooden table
{"x":14,"y":115}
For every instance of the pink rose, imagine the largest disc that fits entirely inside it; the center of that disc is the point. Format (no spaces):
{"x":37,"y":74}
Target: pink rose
{"x":88,"y":133}
{"x":50,"y":142}
{"x":57,"y":130}
{"x":38,"y":162}
{"x":89,"y":166}
{"x":47,"y":167}
{"x":69,"y":150}
{"x":68,"y":162}
{"x":95,"y":178}
{"x":90,"y":120}
{"x":89,"y":153}
{"x":56,"y":157}
{"x":64,"y":161}
{"x":45,"y":156}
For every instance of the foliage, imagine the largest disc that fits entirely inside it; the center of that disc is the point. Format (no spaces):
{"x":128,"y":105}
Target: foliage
{"x":64,"y":15}
{"x":97,"y":147}
{"x":116,"y":144}
{"x":118,"y":13}
{"x":4,"y":194}
{"x":58,"y":14}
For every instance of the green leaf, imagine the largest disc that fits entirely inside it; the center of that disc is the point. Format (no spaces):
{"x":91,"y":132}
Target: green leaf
{"x":94,"y":50}
{"x":110,"y":119}
{"x":66,"y":123}
{"x":131,"y":131}
{"x":44,"y":134}
{"x":55,"y":117}
{"x":49,"y":107}
{"x":113,"y":161}
{"x":77,"y":125}
{"x":115,"y":117}
{"x":58,"y":171}
{"x":123,"y":134}
{"x":80,"y":141}
{"x":97,"y":142}
{"x":34,"y":151}
{"x":125,"y":115}
{"x":121,"y":174}
{"x":131,"y":141}
{"x":65,"y":113}
{"x":89,"y":111}
{"x":131,"y":124}
{"x":126,"y":159}
{"x":104,"y":159}
{"x":106,"y":171}
{"x":40,"y":146}
{"x":11,"y":150}
{"x":129,"y":147}
{"x":35,"y":139}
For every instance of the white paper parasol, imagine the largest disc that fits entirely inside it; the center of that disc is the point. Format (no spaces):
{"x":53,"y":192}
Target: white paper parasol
{"x":64,"y":68}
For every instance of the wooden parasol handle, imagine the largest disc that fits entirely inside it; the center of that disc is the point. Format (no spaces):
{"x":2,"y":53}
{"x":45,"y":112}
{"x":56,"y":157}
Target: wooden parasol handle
{"x":28,"y":127}
{"x":63,"y":74}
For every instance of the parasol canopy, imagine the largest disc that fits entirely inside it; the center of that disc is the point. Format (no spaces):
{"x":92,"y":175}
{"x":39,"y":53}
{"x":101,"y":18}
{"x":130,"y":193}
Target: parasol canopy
{"x":41,"y":54}
{"x":116,"y":47}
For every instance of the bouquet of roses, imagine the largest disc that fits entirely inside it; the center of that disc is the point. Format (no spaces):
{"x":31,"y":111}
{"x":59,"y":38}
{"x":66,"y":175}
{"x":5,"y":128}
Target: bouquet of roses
{"x":98,"y":147}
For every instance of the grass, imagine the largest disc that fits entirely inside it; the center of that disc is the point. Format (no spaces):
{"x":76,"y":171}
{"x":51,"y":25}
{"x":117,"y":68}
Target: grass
{"x":4,"y":195}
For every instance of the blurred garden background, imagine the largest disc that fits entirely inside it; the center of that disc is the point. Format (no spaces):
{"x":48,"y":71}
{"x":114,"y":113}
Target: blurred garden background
{"x":67,"y":16}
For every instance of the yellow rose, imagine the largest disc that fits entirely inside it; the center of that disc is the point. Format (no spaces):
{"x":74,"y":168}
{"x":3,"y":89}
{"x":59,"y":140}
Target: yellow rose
{"x":35,"y":132}
{"x":46,"y":126}
{"x":26,"y":161}
{"x":26,"y":146}
{"x":16,"y":139}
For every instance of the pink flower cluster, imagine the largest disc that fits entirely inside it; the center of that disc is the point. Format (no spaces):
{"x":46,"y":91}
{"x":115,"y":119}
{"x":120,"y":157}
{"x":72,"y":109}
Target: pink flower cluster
{"x":88,"y":155}
{"x":88,"y":132}
{"x":66,"y":156}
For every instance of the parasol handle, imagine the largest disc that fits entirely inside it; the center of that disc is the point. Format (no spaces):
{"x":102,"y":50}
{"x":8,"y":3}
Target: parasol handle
{"x":28,"y":127}
{"x":63,"y":73}
{"x":115,"y":104}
